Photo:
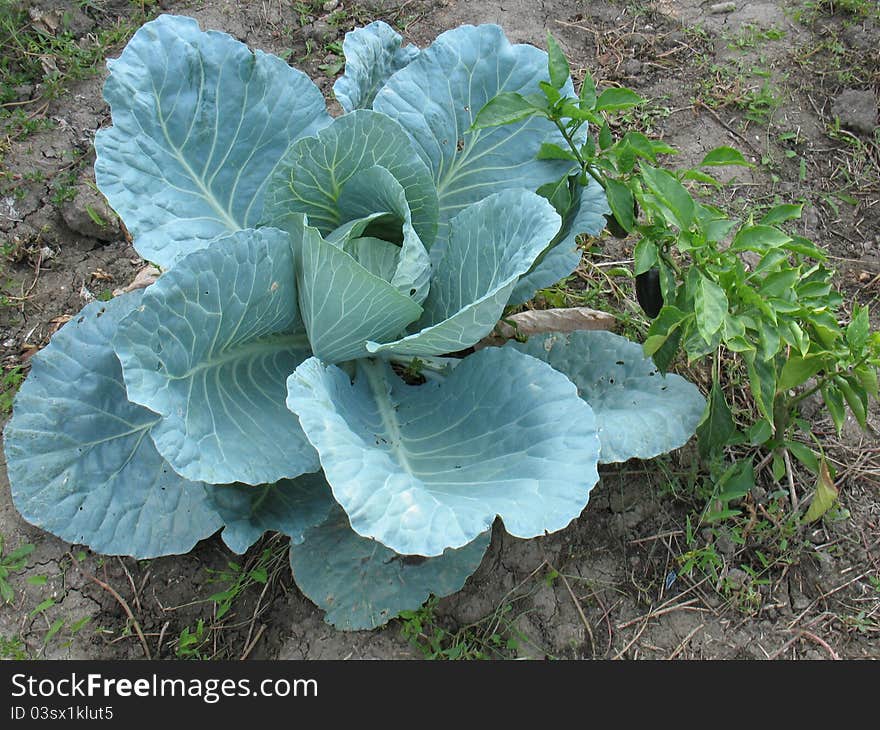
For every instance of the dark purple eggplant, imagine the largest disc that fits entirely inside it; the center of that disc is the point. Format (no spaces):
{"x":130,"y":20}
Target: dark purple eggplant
{"x":648,"y":292}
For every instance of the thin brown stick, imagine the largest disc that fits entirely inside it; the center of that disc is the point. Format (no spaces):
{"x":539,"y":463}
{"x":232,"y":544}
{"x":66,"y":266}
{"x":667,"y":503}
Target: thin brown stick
{"x":580,"y":610}
{"x":125,"y":607}
{"x":659,"y":536}
{"x":684,"y":642}
{"x":821,"y":642}
{"x":741,"y":138}
{"x":790,"y":472}
{"x":632,"y":641}
{"x":256,"y":612}
{"x":19,"y":103}
{"x":134,"y":591}
{"x":782,"y":649}
{"x":161,"y":638}
{"x":823,"y":597}
{"x":661,"y":612}
{"x":250,"y":646}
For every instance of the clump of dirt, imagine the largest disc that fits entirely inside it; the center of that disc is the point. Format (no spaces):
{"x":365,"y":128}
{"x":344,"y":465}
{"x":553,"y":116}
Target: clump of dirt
{"x":634,"y":577}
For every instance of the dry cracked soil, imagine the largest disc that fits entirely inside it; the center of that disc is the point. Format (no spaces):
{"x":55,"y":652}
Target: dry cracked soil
{"x":791,"y":83}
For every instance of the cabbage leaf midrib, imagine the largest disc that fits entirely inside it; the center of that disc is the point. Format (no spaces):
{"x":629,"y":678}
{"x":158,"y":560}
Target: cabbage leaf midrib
{"x":253,"y":348}
{"x":387,"y":410}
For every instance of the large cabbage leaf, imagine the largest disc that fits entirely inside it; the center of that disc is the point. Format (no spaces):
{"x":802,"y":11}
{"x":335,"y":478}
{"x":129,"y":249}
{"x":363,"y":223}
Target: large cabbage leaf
{"x":209,"y":349}
{"x":586,"y":216}
{"x":424,"y":468}
{"x":80,"y":459}
{"x":199,"y":123}
{"x":493,"y":242}
{"x":436,"y":98}
{"x":372,"y":54}
{"x":640,"y":413}
{"x":290,"y":506}
{"x":343,"y":303}
{"x":313,"y":174}
{"x":376,"y":189}
{"x":361,"y":584}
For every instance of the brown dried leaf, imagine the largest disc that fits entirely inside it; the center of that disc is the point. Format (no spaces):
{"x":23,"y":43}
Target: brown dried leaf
{"x":101,"y":275}
{"x":143,"y":279}
{"x":56,"y":323}
{"x":28,"y":350}
{"x":538,"y":321}
{"x":825,"y":496}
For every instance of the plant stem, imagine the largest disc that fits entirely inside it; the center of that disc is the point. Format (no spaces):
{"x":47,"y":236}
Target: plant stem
{"x":585,"y":166}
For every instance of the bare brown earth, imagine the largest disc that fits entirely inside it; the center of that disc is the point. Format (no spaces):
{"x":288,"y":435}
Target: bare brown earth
{"x":611,"y":585}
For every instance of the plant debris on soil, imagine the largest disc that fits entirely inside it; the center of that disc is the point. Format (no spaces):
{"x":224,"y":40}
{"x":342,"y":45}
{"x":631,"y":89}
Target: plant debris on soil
{"x":794,"y":84}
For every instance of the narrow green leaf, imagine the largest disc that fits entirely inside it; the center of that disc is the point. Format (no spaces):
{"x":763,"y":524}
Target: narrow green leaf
{"x":855,"y":397}
{"x":759,"y":238}
{"x":671,"y":193}
{"x":668,"y":281}
{"x":647,"y":148}
{"x":617,"y":99}
{"x":56,"y":626}
{"x":551,"y":151}
{"x":77,"y":626}
{"x":557,"y":64}
{"x":858,"y":330}
{"x":716,"y":230}
{"x":724,"y":156}
{"x":669,"y":320}
{"x":588,"y":92}
{"x":717,"y":426}
{"x":804,"y":454}
{"x":22,"y":551}
{"x":37,"y":580}
{"x":558,"y":194}
{"x":551,"y":93}
{"x":760,"y":432}
{"x":626,"y":159}
{"x":737,"y":481}
{"x":805,"y":247}
{"x":771,"y":260}
{"x":762,"y":382}
{"x":588,"y":148}
{"x":43,"y":606}
{"x":781,"y":213}
{"x":506,"y":108}
{"x":797,"y":370}
{"x":779,"y":283}
{"x":769,"y":339}
{"x":696,"y":345}
{"x":867,"y":375}
{"x":834,"y":403}
{"x":645,"y":255}
{"x":710,"y":305}
{"x":605,"y":139}
{"x":713,"y":516}
{"x":778,"y":466}
{"x":620,"y":199}
{"x":701,"y":177}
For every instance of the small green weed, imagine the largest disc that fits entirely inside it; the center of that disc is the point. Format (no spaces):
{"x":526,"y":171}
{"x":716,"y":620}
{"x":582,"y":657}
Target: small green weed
{"x":14,"y":562}
{"x":9,"y":383}
{"x":13,"y":649}
{"x":190,"y":643}
{"x":490,"y":638}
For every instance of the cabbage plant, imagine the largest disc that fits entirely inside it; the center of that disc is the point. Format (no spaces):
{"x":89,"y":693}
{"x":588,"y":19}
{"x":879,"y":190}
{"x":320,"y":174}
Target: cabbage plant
{"x":305,"y":362}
